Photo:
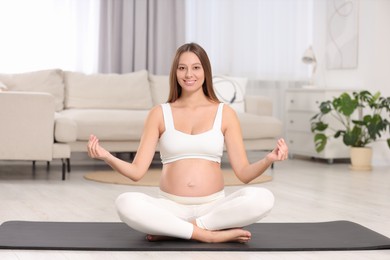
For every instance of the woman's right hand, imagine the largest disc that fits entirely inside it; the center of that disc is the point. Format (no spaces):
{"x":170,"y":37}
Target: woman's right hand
{"x":95,"y":150}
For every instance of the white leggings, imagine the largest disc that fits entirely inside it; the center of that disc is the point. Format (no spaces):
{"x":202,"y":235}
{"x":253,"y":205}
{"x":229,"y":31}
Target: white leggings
{"x":171,"y":215}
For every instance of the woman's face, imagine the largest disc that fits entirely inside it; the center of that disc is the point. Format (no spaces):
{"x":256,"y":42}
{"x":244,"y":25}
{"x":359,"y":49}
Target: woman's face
{"x":190,"y":74}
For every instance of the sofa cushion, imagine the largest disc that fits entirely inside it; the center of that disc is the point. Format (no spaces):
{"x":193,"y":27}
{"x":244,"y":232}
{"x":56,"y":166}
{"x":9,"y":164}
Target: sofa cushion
{"x":48,"y":81}
{"x":254,"y":126}
{"x":65,"y":129}
{"x":159,"y":86}
{"x":108,"y":124}
{"x":109,"y":91}
{"x":231,"y":90}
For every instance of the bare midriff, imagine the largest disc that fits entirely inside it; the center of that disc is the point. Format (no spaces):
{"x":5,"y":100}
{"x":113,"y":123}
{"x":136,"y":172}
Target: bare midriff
{"x":191,"y":178}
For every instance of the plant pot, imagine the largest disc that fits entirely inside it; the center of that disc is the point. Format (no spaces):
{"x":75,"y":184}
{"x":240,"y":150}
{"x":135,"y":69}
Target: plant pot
{"x":361,"y":158}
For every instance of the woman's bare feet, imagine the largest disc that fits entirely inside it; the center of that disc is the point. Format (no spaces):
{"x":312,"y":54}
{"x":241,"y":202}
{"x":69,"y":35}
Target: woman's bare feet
{"x":220,"y":236}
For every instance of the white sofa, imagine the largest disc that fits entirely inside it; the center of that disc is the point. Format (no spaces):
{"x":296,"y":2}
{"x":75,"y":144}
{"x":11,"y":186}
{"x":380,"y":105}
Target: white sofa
{"x":114,"y":107}
{"x":27,"y":129}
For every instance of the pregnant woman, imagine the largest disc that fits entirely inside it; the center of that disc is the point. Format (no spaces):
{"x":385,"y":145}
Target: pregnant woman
{"x":191,"y":130}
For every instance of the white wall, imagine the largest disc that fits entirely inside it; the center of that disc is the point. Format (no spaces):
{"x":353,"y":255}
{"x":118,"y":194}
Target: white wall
{"x":373,"y":70}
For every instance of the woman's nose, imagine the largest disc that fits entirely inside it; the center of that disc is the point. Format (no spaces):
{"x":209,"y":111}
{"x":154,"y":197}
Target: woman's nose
{"x":188,"y":73}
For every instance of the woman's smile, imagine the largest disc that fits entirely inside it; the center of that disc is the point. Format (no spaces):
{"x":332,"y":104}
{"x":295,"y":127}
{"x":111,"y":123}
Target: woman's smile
{"x":189,"y":82}
{"x":190,"y":71}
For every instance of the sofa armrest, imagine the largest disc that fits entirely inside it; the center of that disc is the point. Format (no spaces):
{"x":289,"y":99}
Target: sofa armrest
{"x":259,"y":105}
{"x":27,"y":125}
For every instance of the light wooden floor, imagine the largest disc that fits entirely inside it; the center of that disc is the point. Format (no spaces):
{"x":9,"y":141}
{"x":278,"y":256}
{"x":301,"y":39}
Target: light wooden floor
{"x":305,"y":191}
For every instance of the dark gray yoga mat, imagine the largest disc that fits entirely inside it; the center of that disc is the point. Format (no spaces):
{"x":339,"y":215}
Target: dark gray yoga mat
{"x":336,"y":235}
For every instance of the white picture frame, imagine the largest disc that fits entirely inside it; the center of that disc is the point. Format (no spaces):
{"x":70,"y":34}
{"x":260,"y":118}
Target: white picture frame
{"x":342,"y":34}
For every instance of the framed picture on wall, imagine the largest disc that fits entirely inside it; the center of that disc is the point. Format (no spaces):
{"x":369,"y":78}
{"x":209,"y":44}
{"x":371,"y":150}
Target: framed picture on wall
{"x":342,"y":34}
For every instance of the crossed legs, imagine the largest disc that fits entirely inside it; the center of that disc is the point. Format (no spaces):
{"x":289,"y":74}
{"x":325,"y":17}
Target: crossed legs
{"x":217,"y":221}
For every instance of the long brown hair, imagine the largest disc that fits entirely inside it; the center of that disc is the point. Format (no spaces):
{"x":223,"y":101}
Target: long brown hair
{"x":175,"y":88}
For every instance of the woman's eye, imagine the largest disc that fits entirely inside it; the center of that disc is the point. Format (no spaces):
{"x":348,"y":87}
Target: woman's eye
{"x":197,"y":67}
{"x":180,"y":68}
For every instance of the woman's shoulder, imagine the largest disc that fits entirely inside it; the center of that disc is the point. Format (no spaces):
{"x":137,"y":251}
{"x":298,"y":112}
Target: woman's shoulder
{"x":157,"y":108}
{"x":155,"y":118}
{"x":155,"y":112}
{"x":229,"y":111}
{"x":229,"y":117}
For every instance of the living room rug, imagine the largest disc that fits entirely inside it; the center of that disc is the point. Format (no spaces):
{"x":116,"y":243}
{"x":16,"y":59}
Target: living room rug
{"x":152,"y":178}
{"x":98,"y":236}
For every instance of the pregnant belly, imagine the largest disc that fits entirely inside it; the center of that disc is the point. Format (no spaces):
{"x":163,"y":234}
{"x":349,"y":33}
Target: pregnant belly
{"x":191,"y":178}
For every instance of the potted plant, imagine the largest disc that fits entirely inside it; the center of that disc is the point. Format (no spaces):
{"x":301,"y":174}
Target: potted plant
{"x":362,"y":120}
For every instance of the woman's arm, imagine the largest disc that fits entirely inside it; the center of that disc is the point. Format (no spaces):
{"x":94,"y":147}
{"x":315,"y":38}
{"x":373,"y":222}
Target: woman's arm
{"x":245,"y":171}
{"x":146,"y":150}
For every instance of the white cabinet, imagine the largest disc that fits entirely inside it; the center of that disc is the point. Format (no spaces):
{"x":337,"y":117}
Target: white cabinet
{"x":301,"y":105}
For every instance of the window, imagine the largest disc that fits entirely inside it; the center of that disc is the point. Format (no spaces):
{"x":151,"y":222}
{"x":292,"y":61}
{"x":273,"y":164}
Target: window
{"x":260,"y":39}
{"x":43,"y":34}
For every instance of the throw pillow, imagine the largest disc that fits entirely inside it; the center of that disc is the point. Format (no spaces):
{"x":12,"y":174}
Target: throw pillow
{"x":159,"y":86}
{"x":231,"y":90}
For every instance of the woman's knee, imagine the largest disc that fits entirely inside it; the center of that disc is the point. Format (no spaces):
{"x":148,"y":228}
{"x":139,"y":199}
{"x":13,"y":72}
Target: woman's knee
{"x":129,"y":205}
{"x":260,"y":200}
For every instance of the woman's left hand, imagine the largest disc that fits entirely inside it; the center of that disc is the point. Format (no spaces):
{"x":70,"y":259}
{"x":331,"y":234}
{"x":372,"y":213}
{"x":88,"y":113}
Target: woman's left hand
{"x":280,"y":153}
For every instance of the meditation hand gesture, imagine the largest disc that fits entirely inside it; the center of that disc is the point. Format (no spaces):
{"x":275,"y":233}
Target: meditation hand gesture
{"x":280,"y":153}
{"x":95,"y":150}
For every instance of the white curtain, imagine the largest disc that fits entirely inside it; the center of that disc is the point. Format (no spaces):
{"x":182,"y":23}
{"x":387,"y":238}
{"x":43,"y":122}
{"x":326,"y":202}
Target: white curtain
{"x":259,"y":39}
{"x":262,"y":40}
{"x":45,"y":34}
{"x":140,"y":34}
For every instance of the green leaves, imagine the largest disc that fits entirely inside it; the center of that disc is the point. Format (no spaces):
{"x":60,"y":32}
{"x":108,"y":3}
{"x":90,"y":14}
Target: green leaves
{"x":360,"y":117}
{"x":326,"y":107}
{"x":320,"y":141}
{"x":345,"y":104}
{"x":318,"y":126}
{"x":354,"y":137}
{"x":375,"y":125}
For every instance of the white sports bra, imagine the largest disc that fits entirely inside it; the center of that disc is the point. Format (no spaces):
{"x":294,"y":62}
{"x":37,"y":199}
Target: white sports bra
{"x":176,"y":145}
